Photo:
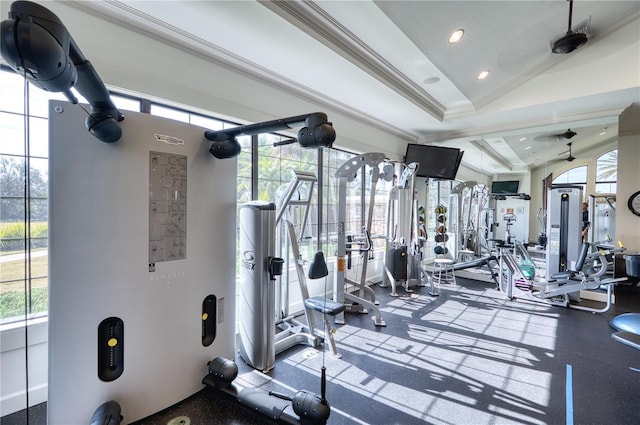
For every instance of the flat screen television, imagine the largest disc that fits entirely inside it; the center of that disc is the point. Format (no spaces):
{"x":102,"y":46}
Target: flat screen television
{"x":436,"y":162}
{"x":509,"y":187}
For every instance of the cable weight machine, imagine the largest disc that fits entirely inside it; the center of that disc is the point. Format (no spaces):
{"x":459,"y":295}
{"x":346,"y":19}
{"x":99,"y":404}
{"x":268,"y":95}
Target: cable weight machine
{"x":403,"y":248}
{"x":355,"y":301}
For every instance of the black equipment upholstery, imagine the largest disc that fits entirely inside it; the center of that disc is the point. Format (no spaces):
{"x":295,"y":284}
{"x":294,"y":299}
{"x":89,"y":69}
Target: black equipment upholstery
{"x":569,"y":274}
{"x":318,"y":266}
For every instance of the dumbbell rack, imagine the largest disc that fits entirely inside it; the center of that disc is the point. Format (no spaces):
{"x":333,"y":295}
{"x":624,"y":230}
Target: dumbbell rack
{"x":440,"y":235}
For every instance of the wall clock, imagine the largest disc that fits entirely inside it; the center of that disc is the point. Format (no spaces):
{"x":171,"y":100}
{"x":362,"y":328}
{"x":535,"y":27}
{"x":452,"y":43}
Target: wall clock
{"x":634,"y":203}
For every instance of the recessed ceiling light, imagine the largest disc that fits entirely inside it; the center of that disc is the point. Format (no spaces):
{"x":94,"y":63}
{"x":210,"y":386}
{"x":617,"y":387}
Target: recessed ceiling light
{"x":484,"y":74}
{"x":522,"y":139}
{"x":527,"y":148}
{"x":456,"y":36}
{"x":603,"y":132}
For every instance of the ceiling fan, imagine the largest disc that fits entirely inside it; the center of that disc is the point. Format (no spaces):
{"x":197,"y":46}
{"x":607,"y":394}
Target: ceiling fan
{"x":569,"y":134}
{"x":571,"y":40}
{"x":570,"y":157}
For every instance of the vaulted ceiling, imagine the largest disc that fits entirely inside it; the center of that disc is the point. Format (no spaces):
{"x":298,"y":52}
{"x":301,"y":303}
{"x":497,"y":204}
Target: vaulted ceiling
{"x":389,"y":63}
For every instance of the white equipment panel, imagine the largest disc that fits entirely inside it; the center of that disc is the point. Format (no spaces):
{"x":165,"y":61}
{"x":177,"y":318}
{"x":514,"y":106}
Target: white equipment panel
{"x":118,"y":248}
{"x":520,"y":227}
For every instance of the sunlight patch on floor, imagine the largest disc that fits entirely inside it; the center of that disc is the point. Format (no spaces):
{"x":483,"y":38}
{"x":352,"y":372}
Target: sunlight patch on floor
{"x":478,"y":355}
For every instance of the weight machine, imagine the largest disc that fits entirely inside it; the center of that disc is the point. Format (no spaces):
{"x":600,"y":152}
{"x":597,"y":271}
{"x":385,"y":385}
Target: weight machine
{"x":257,"y":340}
{"x":571,"y":265}
{"x":361,"y":244}
{"x":293,"y":332}
{"x":509,"y":219}
{"x":560,"y":288}
{"x":402,"y":260}
{"x":264,"y":229}
{"x":471,"y":218}
{"x":471,"y":225}
{"x":602,"y":216}
{"x":564,"y":232}
{"x":464,"y":214}
{"x":356,"y":303}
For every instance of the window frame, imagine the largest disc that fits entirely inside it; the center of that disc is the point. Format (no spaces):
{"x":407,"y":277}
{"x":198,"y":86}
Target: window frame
{"x":611,"y":155}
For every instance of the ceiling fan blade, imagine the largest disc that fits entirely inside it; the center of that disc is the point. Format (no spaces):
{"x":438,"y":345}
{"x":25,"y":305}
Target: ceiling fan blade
{"x":547,"y":138}
{"x":567,"y":135}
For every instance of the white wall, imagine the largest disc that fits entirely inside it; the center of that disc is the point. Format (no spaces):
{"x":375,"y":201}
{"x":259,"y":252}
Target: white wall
{"x":627,"y":224}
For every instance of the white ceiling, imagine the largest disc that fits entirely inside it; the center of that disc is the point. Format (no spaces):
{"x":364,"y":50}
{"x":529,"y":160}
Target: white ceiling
{"x":378,"y":61}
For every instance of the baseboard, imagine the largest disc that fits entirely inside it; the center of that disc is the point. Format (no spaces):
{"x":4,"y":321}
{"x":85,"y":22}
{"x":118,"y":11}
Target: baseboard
{"x":17,"y":401}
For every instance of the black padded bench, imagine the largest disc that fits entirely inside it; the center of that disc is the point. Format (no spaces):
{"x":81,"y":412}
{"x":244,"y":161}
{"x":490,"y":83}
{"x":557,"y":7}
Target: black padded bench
{"x":328,"y":308}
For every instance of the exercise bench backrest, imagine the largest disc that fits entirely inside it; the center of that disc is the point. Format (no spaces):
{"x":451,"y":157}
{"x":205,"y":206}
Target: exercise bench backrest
{"x":318,"y":267}
{"x":584,"y":250}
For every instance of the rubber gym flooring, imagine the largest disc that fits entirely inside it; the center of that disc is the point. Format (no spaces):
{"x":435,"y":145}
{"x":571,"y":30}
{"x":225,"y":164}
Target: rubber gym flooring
{"x":466,"y":357}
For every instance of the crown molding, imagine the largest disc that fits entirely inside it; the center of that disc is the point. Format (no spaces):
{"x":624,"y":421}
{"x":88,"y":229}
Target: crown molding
{"x":486,"y":148}
{"x":316,"y":22}
{"x":523,"y":125}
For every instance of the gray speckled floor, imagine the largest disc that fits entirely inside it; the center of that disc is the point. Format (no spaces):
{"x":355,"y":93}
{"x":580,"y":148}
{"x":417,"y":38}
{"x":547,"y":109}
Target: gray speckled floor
{"x":207,"y":407}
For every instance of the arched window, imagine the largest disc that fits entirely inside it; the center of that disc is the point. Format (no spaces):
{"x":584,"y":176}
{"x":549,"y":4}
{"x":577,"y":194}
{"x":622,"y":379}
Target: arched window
{"x":607,"y":172}
{"x":575,"y":176}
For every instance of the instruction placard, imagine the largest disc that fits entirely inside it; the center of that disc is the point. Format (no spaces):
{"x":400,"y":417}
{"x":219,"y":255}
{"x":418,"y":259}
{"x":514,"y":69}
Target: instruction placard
{"x":167,"y":207}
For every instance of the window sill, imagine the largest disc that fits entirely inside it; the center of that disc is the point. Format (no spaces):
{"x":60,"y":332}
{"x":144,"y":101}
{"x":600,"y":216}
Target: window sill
{"x":12,"y":335}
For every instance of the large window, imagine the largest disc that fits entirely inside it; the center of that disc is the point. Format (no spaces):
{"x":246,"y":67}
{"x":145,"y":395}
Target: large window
{"x":576,"y":176}
{"x":275,"y":168}
{"x":23,"y":198}
{"x":607,"y":172}
{"x":276,"y":163}
{"x":606,"y":175}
